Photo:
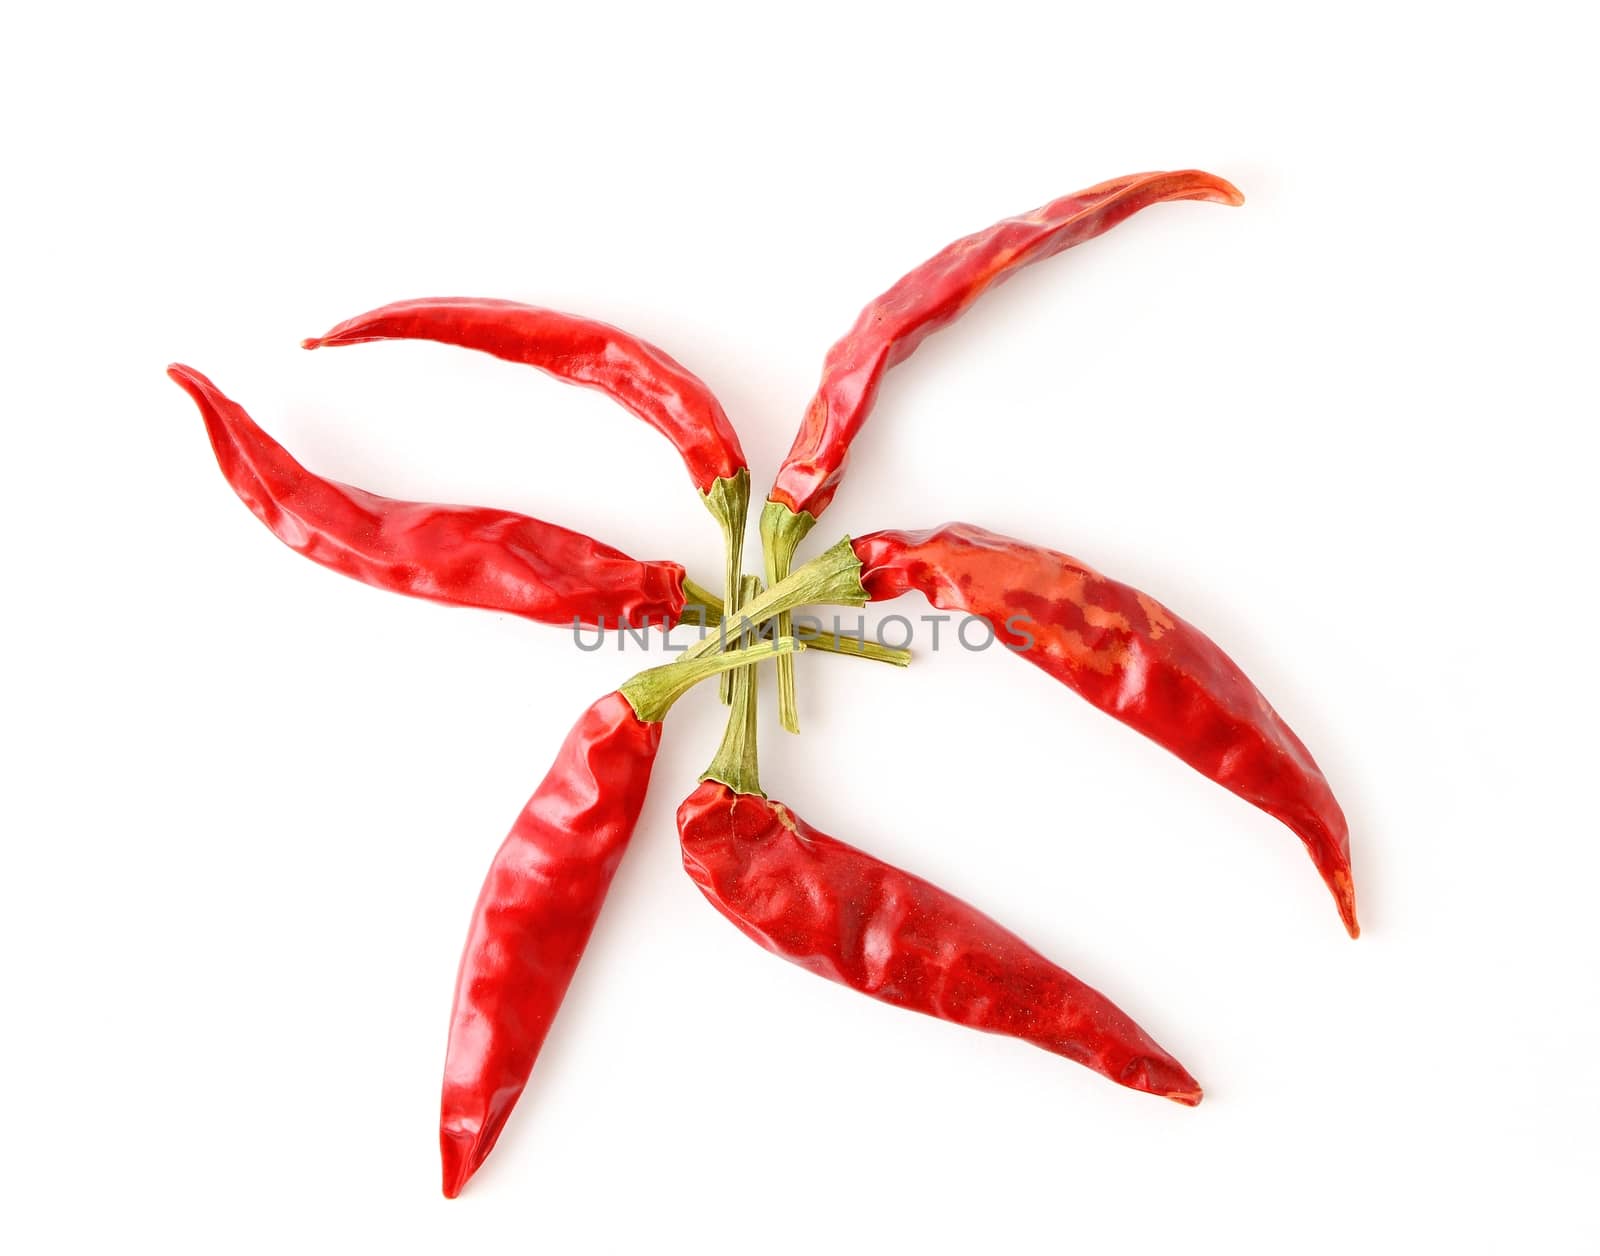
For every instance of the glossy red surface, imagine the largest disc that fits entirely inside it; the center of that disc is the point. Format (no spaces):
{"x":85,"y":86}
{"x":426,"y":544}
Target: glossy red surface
{"x":533,"y":919}
{"x":649,"y":383}
{"x":461,"y":555}
{"x":1135,"y":660}
{"x":935,"y":294}
{"x":846,"y":916}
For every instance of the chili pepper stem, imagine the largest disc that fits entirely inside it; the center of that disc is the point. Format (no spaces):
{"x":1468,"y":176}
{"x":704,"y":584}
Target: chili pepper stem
{"x":728,"y":500}
{"x":707,"y":603}
{"x":834,"y":576}
{"x":709,"y":606}
{"x":652,"y":692}
{"x":736,"y":763}
{"x":830,"y":643}
{"x":782,"y":530}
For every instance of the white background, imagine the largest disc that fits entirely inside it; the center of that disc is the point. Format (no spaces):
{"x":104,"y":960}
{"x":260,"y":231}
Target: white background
{"x":1347,"y":429}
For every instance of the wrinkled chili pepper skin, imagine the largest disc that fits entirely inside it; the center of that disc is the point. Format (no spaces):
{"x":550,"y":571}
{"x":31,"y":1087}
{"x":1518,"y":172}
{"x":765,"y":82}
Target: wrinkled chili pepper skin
{"x":853,"y":919}
{"x":1134,"y":659}
{"x":644,"y":379}
{"x":938,"y":292}
{"x":460,"y":555}
{"x":534,"y":916}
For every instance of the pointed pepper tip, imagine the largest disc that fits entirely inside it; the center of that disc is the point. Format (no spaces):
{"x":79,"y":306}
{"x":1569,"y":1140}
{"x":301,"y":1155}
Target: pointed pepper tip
{"x":1162,"y":1075}
{"x":1344,"y":896}
{"x":459,"y":1160}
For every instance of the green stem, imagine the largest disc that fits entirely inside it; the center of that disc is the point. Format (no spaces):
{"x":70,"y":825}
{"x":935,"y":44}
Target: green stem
{"x":728,"y":500}
{"x":709,"y":608}
{"x":833,"y":576}
{"x":782,"y":530}
{"x":860,"y":648}
{"x":736,"y":763}
{"x":652,"y":692}
{"x":706,"y":603}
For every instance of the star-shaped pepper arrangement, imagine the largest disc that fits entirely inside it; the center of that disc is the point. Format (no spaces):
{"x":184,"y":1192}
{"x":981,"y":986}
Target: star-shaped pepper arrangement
{"x":800,"y":893}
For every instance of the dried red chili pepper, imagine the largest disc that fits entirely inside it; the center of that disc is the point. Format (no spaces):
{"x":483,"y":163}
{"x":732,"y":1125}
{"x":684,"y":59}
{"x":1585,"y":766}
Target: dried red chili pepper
{"x":540,"y":901}
{"x":460,"y":555}
{"x":650,"y":384}
{"x":645,"y":380}
{"x":1135,"y":660}
{"x":842,"y":914}
{"x":891,"y":327}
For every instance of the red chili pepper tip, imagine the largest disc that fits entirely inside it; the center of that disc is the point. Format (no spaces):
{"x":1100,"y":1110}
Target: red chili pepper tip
{"x":1166,"y":1078}
{"x":461,"y":1157}
{"x":1344,"y":894}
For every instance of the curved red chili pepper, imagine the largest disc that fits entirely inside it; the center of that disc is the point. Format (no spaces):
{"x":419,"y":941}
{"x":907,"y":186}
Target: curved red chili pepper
{"x":1135,"y":660}
{"x":891,"y":327}
{"x":533,"y":919}
{"x":846,"y":916}
{"x":936,"y":293}
{"x":649,"y":383}
{"x":540,"y":901}
{"x":461,"y":555}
